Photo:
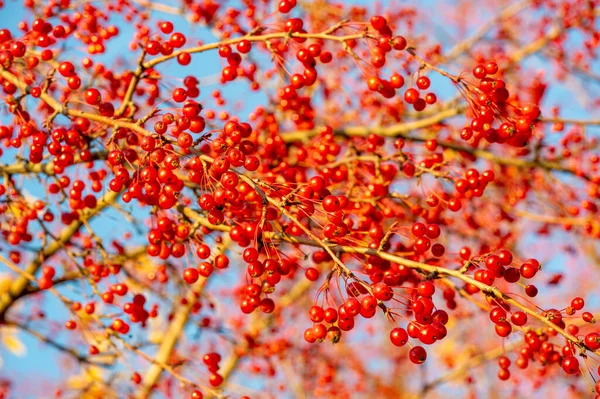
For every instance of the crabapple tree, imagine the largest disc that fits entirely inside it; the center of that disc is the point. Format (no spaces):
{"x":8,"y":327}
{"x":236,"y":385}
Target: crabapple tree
{"x":269,"y":199}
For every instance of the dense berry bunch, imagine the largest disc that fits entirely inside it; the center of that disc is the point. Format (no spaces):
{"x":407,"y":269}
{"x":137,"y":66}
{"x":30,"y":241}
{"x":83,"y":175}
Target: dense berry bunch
{"x":337,"y":170}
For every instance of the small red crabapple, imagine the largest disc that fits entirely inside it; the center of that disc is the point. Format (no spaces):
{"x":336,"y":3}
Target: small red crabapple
{"x":417,"y":355}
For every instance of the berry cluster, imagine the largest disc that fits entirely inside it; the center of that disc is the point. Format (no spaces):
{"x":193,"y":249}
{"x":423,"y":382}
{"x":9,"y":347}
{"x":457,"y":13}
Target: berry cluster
{"x":489,"y":104}
{"x":353,"y":201}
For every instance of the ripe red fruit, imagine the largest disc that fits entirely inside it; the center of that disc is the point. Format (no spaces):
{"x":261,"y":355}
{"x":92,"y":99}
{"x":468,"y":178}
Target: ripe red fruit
{"x":177,"y":40}
{"x":71,"y":325}
{"x":215,"y":379}
{"x":491,"y":68}
{"x":374,"y":83}
{"x":383,"y":292}
{"x":426,"y":289}
{"x":570,"y":365}
{"x":166,"y":27}
{"x":312,"y":274}
{"x":48,"y":271}
{"x":503,"y":328}
{"x":479,"y":72}
{"x":45,"y":282}
{"x":221,"y":261}
{"x":419,"y":229}
{"x":503,"y":374}
{"x":66,"y":69}
{"x":184,"y":58}
{"x":528,"y":270}
{"x":588,"y":317}
{"x":423,"y":83}
{"x":504,"y":362}
{"x":267,"y":305}
{"x":505,"y":257}
{"x":378,"y":22}
{"x":398,"y":336}
{"x":331,"y":203}
{"x":179,"y":95}
{"x":92,"y":96}
{"x":396,"y":81}
{"x":430,"y":98}
{"x":399,"y":43}
{"x":577,"y":303}
{"x":592,"y":341}
{"x":427,"y":334}
{"x":316,"y":313}
{"x":411,"y":95}
{"x":518,"y":318}
{"x":493,"y":263}
{"x":497,"y":315}
{"x":417,"y":355}
{"x":531,"y":112}
{"x":190,"y":275}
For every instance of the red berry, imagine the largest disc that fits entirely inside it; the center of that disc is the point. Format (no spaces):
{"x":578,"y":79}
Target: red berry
{"x":570,"y":365}
{"x":190,"y":275}
{"x":417,"y":355}
{"x":423,"y":83}
{"x":66,"y":69}
{"x":426,"y":288}
{"x":92,"y":96}
{"x":166,"y":27}
{"x":411,"y":95}
{"x":518,"y":318}
{"x":378,"y":22}
{"x":398,"y":336}
{"x":577,"y":303}
{"x":312,"y":274}
{"x":331,"y":203}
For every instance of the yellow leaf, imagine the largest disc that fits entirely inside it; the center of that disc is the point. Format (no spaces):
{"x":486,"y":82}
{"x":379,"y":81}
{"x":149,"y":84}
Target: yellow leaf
{"x":5,"y":282}
{"x":13,"y":344}
{"x":450,"y":155}
{"x":15,"y":210}
{"x":86,"y":378}
{"x":97,"y":392}
{"x":144,"y":263}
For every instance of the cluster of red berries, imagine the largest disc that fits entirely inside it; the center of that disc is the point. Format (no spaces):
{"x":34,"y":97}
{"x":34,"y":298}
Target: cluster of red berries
{"x":424,"y":234}
{"x":499,"y":266}
{"x":211,"y":360}
{"x":489,"y":103}
{"x":474,"y":183}
{"x":290,"y":97}
{"x":321,"y":151}
{"x":413,"y":96}
{"x":428,"y":325}
{"x":45,"y":281}
{"x":286,"y":6}
{"x":230,"y":197}
{"x":166,"y":47}
{"x":386,"y":42}
{"x":538,"y":348}
{"x":43,"y":34}
{"x":15,"y":228}
{"x":267,"y":274}
{"x":232,"y":149}
{"x":168,"y":238}
{"x":135,"y":310}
